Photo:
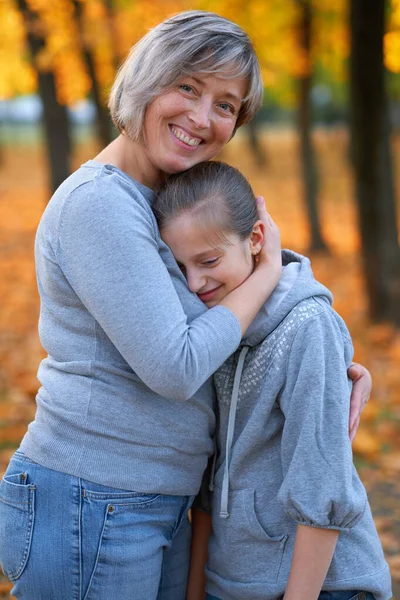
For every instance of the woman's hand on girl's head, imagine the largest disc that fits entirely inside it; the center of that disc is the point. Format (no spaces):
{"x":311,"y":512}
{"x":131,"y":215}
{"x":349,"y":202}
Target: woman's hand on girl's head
{"x":362,"y":385}
{"x":270,"y":254}
{"x":246,"y":300}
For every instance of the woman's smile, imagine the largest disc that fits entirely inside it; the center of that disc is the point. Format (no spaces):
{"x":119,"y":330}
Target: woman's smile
{"x":185,"y":137}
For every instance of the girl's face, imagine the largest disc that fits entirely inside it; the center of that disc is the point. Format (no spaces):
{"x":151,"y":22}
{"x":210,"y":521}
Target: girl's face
{"x":192,"y":121}
{"x":213,"y":264}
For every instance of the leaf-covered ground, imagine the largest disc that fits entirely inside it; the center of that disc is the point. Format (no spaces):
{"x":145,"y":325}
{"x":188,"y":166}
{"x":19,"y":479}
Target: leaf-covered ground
{"x":377,"y":447}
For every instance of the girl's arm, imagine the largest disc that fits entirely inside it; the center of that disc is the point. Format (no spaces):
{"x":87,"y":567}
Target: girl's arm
{"x":320,"y":490}
{"x":313,"y":552}
{"x":201,"y":530}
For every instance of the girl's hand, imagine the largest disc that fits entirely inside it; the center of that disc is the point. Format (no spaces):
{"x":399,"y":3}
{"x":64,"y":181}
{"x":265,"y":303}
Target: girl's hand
{"x":362,"y":385}
{"x":270,"y":254}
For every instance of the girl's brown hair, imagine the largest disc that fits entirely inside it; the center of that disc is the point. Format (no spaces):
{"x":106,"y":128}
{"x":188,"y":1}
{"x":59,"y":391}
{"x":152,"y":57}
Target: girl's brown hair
{"x":213,"y":192}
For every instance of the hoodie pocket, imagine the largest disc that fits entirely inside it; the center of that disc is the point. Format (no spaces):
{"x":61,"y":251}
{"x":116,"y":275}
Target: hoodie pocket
{"x":240,"y":548}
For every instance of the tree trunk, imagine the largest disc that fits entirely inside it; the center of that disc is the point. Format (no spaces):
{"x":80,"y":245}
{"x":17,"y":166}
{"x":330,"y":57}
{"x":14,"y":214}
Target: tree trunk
{"x":255,"y":144}
{"x":55,"y":116}
{"x":110,"y":12}
{"x":372,"y":161}
{"x":103,"y":121}
{"x":308,"y":161}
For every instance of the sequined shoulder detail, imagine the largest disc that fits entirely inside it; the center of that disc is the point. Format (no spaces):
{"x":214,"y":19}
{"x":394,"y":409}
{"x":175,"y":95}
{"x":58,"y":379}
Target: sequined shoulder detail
{"x":270,"y":354}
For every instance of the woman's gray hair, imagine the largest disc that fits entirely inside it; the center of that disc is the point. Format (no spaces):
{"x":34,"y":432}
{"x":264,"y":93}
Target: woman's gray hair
{"x":190,"y":42}
{"x":214,"y":193}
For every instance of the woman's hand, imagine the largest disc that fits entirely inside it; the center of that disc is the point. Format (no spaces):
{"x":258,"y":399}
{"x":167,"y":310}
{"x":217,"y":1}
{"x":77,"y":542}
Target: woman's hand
{"x":246,"y":300}
{"x":362,"y":385}
{"x":270,"y":254}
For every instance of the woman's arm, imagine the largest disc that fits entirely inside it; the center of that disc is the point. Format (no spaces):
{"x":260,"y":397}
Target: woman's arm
{"x":313,"y":552}
{"x":108,"y":250}
{"x":201,"y":530}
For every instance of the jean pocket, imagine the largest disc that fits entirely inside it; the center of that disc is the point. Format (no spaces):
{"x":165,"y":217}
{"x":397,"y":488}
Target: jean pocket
{"x":17,"y":515}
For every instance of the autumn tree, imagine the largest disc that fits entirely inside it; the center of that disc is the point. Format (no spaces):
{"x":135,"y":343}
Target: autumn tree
{"x":372,"y":160}
{"x":307,"y":153}
{"x":103,"y":123}
{"x":55,"y":117}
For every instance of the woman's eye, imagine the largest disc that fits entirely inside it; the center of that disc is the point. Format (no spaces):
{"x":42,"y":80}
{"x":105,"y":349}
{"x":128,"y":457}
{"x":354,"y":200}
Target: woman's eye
{"x":186,"y":88}
{"x":227,"y":107}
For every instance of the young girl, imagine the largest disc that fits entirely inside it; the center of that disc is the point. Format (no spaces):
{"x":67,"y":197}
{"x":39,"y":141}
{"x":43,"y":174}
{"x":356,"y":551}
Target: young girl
{"x":290,"y":516}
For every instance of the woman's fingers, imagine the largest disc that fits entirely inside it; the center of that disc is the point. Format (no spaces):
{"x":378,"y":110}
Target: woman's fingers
{"x":262,"y":211}
{"x":271,"y":251}
{"x":362,"y":385}
{"x":261,"y":208}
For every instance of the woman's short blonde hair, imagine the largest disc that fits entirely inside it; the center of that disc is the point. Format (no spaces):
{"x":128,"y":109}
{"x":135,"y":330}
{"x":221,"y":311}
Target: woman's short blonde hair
{"x":189,"y":42}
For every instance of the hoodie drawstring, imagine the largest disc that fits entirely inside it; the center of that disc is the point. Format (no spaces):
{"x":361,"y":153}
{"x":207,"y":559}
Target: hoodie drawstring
{"x":231,"y":429}
{"x":214,"y":462}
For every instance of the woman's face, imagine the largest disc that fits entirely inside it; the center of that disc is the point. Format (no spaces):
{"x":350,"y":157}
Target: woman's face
{"x":192,"y":121}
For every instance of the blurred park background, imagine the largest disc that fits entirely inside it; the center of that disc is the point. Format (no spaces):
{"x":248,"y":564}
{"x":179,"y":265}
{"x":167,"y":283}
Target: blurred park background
{"x":324,"y":151}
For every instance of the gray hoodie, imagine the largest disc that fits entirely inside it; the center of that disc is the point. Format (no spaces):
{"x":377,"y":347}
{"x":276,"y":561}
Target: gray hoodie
{"x":284,"y":455}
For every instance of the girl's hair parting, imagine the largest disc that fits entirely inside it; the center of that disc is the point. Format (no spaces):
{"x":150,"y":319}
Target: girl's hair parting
{"x":190,"y":42}
{"x":216,"y":194}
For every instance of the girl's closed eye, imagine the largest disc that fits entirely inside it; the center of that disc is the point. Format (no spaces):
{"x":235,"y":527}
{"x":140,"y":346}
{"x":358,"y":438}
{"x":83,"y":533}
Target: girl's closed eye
{"x":210,"y":262}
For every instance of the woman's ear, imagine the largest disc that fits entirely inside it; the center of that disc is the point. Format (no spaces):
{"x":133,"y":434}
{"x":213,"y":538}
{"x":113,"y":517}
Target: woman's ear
{"x":257,"y":237}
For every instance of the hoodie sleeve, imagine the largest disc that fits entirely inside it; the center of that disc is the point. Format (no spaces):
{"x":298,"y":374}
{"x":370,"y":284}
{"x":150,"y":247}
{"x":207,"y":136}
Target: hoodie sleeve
{"x":321,"y":487}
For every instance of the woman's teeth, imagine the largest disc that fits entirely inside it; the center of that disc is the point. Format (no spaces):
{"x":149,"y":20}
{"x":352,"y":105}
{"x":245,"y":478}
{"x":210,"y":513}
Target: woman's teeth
{"x":183,"y":137}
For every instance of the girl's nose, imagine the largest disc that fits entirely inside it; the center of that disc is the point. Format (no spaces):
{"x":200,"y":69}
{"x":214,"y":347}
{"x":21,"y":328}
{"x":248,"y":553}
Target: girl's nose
{"x":196,"y":281}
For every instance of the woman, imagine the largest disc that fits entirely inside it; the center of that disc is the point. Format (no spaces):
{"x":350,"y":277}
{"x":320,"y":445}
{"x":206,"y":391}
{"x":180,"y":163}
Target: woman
{"x":94,"y":502}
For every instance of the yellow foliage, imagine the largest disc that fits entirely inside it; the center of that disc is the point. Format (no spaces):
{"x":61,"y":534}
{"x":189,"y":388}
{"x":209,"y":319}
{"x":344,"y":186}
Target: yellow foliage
{"x":16,"y":74}
{"x":391,"y":40}
{"x":392,"y":51}
{"x":272,"y":25}
{"x":99,"y":41}
{"x":61,"y":53}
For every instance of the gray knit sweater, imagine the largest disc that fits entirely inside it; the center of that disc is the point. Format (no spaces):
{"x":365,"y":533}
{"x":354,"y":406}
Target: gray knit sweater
{"x":126,"y":398}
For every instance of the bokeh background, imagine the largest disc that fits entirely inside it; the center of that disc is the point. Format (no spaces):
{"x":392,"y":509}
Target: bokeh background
{"x":324,"y":151}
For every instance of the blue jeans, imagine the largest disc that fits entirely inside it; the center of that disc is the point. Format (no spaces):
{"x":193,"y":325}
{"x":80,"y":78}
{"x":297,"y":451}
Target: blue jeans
{"x":63,"y":538}
{"x":350,"y":595}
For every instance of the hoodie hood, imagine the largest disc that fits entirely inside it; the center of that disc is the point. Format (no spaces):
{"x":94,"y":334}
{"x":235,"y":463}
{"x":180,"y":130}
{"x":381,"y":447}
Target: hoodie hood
{"x":296,"y":284}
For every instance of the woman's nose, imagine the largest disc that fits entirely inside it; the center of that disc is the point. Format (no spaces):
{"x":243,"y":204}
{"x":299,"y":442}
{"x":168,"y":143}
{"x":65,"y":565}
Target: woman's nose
{"x":200,"y":113}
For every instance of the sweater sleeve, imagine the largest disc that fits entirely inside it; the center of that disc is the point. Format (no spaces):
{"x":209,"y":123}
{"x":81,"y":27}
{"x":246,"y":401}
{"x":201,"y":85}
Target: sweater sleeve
{"x":109,"y":253}
{"x":321,"y":487}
